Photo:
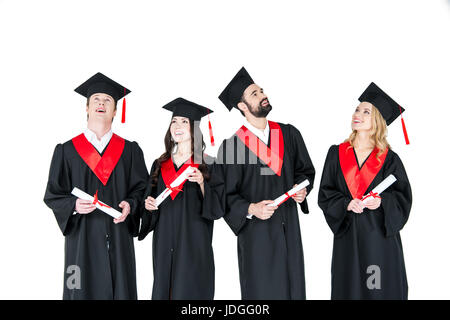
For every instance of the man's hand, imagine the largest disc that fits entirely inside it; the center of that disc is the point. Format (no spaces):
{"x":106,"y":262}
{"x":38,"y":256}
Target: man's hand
{"x":125,"y":212}
{"x":300,"y":196}
{"x":84,"y":206}
{"x":261,"y":210}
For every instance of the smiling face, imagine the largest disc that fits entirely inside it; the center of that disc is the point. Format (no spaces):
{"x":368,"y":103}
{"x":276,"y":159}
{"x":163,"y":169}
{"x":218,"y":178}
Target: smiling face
{"x":101,"y":107}
{"x":255,"y":101}
{"x":362,"y":117}
{"x":180,"y":129}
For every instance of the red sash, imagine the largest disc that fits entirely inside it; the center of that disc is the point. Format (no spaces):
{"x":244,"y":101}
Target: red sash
{"x":359,"y":180}
{"x":169,"y":174}
{"x":272,"y":157}
{"x":101,"y":166}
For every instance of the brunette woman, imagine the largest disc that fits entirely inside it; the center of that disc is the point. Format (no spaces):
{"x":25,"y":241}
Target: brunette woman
{"x":182,"y":225}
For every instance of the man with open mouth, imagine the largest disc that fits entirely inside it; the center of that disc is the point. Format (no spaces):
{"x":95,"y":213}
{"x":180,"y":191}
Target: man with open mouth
{"x":99,"y":250}
{"x":260,"y":162}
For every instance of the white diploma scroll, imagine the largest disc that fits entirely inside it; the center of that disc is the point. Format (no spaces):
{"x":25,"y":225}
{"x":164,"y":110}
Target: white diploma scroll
{"x":175,"y":183}
{"x":289,"y":194}
{"x":100,"y":205}
{"x":386,"y":183}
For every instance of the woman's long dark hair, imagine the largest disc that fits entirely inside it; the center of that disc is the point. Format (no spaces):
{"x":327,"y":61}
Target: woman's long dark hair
{"x":196,"y":149}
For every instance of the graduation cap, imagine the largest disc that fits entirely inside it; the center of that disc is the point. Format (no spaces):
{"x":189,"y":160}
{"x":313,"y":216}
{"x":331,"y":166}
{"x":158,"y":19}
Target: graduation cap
{"x":185,"y":108}
{"x":99,"y":83}
{"x":233,"y":92}
{"x":388,"y":108}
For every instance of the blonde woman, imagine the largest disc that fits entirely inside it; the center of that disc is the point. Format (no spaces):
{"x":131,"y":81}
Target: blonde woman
{"x":367,"y":258}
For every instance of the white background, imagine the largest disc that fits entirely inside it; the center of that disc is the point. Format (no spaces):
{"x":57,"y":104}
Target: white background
{"x":313,"y":58}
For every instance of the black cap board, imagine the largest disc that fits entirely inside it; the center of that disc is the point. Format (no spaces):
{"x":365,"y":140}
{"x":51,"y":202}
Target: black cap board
{"x":233,"y":92}
{"x":99,"y":83}
{"x":185,"y":108}
{"x":388,"y":108}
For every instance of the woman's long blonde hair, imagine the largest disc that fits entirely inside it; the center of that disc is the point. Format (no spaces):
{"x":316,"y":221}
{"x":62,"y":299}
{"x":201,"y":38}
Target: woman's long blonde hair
{"x":378,"y":133}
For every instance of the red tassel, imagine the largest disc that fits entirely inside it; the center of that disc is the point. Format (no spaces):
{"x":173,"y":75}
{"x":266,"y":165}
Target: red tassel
{"x":211,"y":135}
{"x":124,"y":107}
{"x":405,"y":133}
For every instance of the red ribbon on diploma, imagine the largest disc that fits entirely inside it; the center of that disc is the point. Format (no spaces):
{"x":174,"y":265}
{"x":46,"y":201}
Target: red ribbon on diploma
{"x":96,"y":201}
{"x":288,"y":196}
{"x":174,"y":188}
{"x":371,"y":194}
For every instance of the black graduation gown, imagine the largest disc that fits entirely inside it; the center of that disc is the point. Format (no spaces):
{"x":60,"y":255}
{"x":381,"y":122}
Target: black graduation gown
{"x":368,"y":239}
{"x":270,"y":252}
{"x":183,"y":261}
{"x":103,"y":251}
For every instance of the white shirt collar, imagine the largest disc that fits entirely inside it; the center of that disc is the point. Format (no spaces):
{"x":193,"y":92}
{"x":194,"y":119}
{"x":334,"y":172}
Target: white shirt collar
{"x":98,"y":144}
{"x":261,"y":134}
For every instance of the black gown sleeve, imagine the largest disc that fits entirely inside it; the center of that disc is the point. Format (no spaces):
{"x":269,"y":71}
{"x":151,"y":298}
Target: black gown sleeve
{"x":214,"y":188}
{"x":333,"y":201}
{"x":236,"y":207}
{"x":148,"y":218}
{"x":396,"y":200}
{"x":303,"y":167}
{"x":58,"y":195}
{"x":136,"y":187}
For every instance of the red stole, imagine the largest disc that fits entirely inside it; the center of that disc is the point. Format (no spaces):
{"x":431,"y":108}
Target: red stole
{"x":359,"y":180}
{"x":169,"y":174}
{"x":273,"y":156}
{"x":102,"y":166}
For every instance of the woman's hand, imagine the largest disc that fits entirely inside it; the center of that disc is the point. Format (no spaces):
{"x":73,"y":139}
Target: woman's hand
{"x":373,"y":204}
{"x":356,"y":206}
{"x":150,"y":204}
{"x":196,"y":176}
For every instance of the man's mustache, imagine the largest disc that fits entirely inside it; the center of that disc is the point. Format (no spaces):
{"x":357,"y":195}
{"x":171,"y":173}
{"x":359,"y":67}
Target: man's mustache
{"x":264,"y":100}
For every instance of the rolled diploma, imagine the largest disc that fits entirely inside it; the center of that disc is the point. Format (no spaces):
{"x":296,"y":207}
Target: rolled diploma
{"x":83,"y":195}
{"x":386,"y":183}
{"x":294,"y":190}
{"x":175,"y":183}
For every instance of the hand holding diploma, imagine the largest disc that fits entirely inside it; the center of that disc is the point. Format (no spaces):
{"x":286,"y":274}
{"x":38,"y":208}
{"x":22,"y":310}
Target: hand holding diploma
{"x":300,"y":196}
{"x":262,"y":210}
{"x":84,"y":206}
{"x":372,"y":200}
{"x":175,"y":184}
{"x":374,"y":194}
{"x":150,"y":204}
{"x":298,"y":192}
{"x":126,"y":209}
{"x":94,"y":203}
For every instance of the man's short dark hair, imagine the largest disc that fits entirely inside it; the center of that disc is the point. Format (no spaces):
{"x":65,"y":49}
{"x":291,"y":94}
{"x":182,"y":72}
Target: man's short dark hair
{"x":243,"y":101}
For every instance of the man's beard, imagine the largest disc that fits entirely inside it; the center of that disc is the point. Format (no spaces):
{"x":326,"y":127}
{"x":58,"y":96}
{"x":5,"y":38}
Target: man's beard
{"x":261,"y":111}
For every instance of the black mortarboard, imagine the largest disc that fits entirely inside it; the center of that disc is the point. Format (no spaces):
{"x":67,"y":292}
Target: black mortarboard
{"x":388,"y":108}
{"x":185,"y":108}
{"x":99,"y":83}
{"x":232,"y":94}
